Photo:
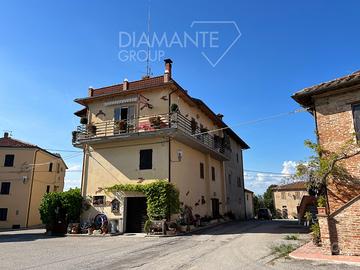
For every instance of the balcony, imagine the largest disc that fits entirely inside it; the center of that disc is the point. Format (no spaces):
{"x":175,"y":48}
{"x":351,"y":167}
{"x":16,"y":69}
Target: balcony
{"x":174,"y":125}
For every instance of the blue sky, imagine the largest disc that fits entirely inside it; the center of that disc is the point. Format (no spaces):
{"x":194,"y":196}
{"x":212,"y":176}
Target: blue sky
{"x":51,"y":52}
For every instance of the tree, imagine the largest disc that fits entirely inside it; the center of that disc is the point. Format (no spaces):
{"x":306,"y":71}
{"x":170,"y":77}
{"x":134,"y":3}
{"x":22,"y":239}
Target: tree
{"x":269,"y":199}
{"x":323,"y":164}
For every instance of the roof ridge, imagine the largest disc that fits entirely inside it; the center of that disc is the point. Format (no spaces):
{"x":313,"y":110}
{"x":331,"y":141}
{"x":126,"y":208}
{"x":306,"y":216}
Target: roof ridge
{"x":118,"y":84}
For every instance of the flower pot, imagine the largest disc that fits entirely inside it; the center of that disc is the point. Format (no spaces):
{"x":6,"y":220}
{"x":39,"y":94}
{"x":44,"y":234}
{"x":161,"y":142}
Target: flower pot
{"x":321,"y":210}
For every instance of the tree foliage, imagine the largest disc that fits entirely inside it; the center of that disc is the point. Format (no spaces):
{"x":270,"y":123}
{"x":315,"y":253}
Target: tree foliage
{"x":64,"y":206}
{"x":323,"y":164}
{"x":162,"y":198}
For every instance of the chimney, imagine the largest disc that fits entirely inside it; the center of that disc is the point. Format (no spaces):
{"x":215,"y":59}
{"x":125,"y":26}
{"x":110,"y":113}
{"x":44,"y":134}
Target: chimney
{"x":126,"y":84}
{"x":6,"y":134}
{"x":220,"y":116}
{"x":90,"y":91}
{"x":167,"y":74}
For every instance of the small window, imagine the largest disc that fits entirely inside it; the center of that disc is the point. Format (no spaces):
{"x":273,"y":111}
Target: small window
{"x":3,"y":214}
{"x":47,"y":189}
{"x":213,"y":173}
{"x":98,"y":200}
{"x":247,"y":197}
{"x":239,"y":182}
{"x":229,"y":179}
{"x":202,"y":175}
{"x":146,"y":159}
{"x":58,"y":168}
{"x":356,"y":116}
{"x":283,"y":195}
{"x":9,"y":161}
{"x":50,"y":167}
{"x":5,"y":188}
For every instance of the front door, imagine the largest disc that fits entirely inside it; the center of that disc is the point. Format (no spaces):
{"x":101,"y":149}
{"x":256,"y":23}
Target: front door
{"x":215,"y":208}
{"x":135,"y":214}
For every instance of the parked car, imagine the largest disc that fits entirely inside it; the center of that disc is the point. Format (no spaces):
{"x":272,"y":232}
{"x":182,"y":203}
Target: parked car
{"x":264,"y":213}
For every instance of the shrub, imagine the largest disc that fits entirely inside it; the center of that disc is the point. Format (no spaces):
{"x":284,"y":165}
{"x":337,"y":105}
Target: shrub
{"x":61,"y":206}
{"x":315,"y":228}
{"x":283,"y":250}
{"x":321,"y":201}
{"x":292,"y":237}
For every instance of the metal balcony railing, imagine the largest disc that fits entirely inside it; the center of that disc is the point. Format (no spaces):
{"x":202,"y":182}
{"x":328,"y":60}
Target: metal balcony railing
{"x":152,"y":123}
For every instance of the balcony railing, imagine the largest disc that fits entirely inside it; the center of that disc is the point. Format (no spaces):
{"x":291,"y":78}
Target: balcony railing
{"x":149,"y":124}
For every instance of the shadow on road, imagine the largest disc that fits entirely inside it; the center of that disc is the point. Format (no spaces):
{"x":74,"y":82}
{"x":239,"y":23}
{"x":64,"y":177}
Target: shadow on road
{"x":23,"y":236}
{"x":255,"y":226}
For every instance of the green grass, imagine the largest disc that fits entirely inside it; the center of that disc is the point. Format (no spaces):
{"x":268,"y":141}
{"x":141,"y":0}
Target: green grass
{"x":283,"y":250}
{"x":292,"y":237}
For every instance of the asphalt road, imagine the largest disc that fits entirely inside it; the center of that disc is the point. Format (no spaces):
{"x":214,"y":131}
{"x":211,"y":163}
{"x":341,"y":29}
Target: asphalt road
{"x":235,"y":245}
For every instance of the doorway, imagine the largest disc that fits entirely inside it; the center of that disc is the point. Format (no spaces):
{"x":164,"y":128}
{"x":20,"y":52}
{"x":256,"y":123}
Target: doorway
{"x":215,"y":208}
{"x":136,"y":214}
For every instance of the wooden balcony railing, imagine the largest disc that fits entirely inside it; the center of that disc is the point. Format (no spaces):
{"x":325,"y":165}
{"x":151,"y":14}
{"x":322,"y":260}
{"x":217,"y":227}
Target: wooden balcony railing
{"x":152,"y":123}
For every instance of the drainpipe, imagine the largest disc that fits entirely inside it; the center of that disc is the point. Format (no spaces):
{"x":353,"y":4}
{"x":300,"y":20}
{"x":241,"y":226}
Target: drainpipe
{"x":31,"y":187}
{"x":169,"y":136}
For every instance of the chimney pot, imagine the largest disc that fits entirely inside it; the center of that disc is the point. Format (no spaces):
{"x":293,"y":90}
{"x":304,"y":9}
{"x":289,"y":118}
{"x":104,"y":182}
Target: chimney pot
{"x":126,"y":84}
{"x":167,"y":74}
{"x":90,"y":91}
{"x":6,"y":134}
{"x":219,"y":115}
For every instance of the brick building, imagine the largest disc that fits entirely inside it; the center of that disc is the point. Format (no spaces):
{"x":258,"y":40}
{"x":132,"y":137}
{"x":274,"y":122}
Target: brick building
{"x":335,"y":106}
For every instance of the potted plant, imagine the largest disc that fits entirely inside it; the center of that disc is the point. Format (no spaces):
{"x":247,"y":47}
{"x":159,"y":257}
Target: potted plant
{"x":83,"y":120}
{"x":321,"y":203}
{"x":74,"y":136}
{"x":315,"y":229}
{"x":308,"y":218}
{"x":155,"y":122}
{"x":193,"y":125}
{"x":91,"y":129}
{"x":174,"y":108}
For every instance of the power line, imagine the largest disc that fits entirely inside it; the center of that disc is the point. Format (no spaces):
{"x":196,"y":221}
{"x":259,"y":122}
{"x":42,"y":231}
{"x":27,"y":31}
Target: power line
{"x":63,"y":150}
{"x":254,"y":121}
{"x":271,"y":173}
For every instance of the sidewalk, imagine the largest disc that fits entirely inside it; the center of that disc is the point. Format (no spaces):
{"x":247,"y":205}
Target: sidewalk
{"x":311,"y":252}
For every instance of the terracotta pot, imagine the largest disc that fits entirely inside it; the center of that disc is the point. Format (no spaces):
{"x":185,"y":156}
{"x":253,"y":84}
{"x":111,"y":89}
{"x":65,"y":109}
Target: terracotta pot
{"x":321,"y":210}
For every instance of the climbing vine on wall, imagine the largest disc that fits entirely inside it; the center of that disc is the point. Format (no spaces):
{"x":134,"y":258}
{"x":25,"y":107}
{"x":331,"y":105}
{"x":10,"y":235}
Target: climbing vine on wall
{"x":162,"y":198}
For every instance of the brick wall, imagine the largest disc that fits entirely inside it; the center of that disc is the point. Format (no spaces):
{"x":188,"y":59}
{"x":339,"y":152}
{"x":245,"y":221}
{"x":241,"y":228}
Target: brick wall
{"x":335,"y":126}
{"x":340,"y":232}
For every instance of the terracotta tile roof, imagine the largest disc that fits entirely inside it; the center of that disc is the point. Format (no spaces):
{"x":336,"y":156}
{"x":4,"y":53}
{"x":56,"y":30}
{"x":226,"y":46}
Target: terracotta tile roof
{"x":135,"y":85}
{"x":301,"y":185}
{"x":304,"y":96}
{"x":10,"y":142}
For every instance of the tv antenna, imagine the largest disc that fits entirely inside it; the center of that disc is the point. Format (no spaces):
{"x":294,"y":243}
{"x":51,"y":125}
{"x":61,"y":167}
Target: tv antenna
{"x":148,"y":68}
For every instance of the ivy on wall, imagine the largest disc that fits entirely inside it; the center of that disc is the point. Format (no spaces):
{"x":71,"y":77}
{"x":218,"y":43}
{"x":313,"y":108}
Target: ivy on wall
{"x":162,"y":198}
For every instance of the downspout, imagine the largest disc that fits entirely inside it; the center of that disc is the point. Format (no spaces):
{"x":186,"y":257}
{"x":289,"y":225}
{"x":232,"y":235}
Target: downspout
{"x":31,"y":187}
{"x":169,"y":136}
{"x":243,"y":182}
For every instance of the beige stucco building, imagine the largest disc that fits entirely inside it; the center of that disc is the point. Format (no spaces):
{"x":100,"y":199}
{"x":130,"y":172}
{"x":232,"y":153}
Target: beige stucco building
{"x":249,"y":203}
{"x":287,"y":198}
{"x":142,"y":131}
{"x":27,"y":172}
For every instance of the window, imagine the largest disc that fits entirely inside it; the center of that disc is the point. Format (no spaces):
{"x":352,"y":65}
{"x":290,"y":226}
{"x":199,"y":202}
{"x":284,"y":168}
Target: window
{"x":356,"y":116}
{"x":58,"y":168}
{"x":239,"y":182}
{"x":98,"y":200}
{"x":237,"y":157}
{"x":5,"y":188}
{"x":146,"y":159}
{"x":3,"y":214}
{"x":229,"y":178}
{"x":50,"y":167}
{"x":9,"y":161}
{"x":213,"y":173}
{"x":47,"y":189}
{"x":247,"y":197}
{"x":202,"y":170}
{"x":283,"y":195}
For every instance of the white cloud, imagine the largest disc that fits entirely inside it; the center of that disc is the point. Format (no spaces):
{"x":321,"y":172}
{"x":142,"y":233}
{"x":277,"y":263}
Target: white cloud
{"x":289,"y":167}
{"x":73,"y":167}
{"x":71,"y":183}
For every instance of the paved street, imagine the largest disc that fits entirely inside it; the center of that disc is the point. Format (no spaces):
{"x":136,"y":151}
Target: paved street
{"x":235,"y":245}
